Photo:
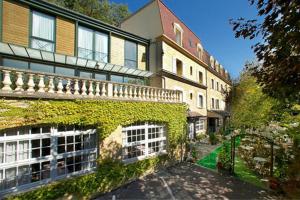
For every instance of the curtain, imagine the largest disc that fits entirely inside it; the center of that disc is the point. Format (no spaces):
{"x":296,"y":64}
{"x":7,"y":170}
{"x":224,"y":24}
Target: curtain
{"x":11,"y":148}
{"x":85,"y":43}
{"x":42,"y":27}
{"x":101,"y":46}
{"x":23,"y":150}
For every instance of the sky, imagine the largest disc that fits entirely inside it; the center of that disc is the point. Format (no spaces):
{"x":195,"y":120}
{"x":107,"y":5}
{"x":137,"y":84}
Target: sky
{"x":209,"y":20}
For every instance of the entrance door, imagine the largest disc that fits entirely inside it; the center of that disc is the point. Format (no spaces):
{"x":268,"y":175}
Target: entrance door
{"x":191,"y":131}
{"x":212,"y":125}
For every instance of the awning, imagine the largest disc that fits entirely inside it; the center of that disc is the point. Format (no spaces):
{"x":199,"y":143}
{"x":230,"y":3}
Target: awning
{"x":192,"y":114}
{"x":26,"y":52}
{"x":218,"y":113}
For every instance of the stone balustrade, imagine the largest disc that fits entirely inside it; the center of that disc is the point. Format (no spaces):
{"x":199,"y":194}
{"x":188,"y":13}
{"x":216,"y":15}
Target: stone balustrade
{"x":25,"y":83}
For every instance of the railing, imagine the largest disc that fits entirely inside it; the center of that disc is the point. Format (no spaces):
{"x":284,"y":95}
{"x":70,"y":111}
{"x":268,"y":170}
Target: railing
{"x":25,"y":83}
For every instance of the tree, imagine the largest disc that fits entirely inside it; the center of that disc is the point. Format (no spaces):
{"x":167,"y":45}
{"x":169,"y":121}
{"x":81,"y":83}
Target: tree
{"x":279,"y":50}
{"x":250,"y":107}
{"x":111,"y":13}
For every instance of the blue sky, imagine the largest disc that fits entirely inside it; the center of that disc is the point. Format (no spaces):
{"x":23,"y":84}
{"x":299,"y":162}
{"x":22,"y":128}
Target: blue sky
{"x":209,"y":20}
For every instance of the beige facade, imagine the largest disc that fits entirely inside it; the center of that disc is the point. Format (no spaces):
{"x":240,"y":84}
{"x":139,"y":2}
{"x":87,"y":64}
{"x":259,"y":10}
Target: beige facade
{"x":179,"y":65}
{"x":15,"y":23}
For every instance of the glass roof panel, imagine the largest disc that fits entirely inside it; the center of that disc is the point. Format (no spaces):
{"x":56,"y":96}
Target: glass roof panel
{"x":71,"y":60}
{"x":148,"y":74}
{"x":91,"y":63}
{"x":81,"y":62}
{"x":143,"y":73}
{"x":34,"y":53}
{"x":130,"y":71}
{"x":116,"y":68}
{"x":123,"y":70}
{"x":136,"y":72}
{"x":108,"y":66}
{"x":60,"y":58}
{"x":101,"y":65}
{"x":4,"y":48}
{"x":19,"y":51}
{"x":48,"y":56}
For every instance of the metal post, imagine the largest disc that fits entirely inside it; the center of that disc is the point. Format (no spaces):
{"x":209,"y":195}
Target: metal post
{"x":233,"y":155}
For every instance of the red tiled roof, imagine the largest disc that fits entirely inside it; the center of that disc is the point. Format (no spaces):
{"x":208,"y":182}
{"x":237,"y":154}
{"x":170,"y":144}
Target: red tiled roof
{"x":168,"y":18}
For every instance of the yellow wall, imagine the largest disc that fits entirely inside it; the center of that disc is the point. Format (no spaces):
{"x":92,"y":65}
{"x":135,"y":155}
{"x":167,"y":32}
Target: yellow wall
{"x":213,"y":93}
{"x":187,"y":89}
{"x":65,"y":36}
{"x":171,"y":54}
{"x":15,"y":23}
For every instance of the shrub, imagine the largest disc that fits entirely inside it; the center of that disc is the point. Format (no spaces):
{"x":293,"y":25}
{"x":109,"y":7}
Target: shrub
{"x":224,"y":157}
{"x":213,"y":139}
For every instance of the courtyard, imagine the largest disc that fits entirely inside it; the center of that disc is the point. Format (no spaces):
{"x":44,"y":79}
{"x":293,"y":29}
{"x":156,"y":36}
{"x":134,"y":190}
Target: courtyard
{"x":188,"y":181}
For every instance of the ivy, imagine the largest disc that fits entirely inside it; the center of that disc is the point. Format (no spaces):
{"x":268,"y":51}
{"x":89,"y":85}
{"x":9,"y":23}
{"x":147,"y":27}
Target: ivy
{"x":106,"y":116}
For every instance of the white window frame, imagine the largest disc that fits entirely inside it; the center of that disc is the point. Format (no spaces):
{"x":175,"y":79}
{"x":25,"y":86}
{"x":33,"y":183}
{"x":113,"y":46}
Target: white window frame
{"x":178,"y":28}
{"x":162,"y":140}
{"x":198,"y":100}
{"x":52,"y":158}
{"x":199,"y":125}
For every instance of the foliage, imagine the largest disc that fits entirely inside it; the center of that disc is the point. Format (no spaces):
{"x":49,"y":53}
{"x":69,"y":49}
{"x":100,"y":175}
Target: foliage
{"x":213,"y":138}
{"x":109,"y":175}
{"x":224,"y":156}
{"x":250,"y":107}
{"x":111,"y":13}
{"x":106,"y":116}
{"x":279,"y":50}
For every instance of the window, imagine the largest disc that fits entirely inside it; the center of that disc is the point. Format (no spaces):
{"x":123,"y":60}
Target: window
{"x":130,"y":54}
{"x":92,"y":44}
{"x":125,"y":79}
{"x":42,"y":67}
{"x":43,"y":30}
{"x":217,"y":104}
{"x":64,"y":71}
{"x":199,"y":125}
{"x":191,"y":96}
{"x":191,"y":70}
{"x":212,"y":103}
{"x":217,"y":86}
{"x":179,"y":66}
{"x":222,"y":89}
{"x":141,"y":140}
{"x":178,"y":37}
{"x":200,"y":101}
{"x":199,"y":50}
{"x":200,"y":77}
{"x":212,"y":84}
{"x":34,"y":156}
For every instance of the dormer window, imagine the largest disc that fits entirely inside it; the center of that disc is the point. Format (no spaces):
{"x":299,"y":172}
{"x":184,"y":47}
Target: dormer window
{"x":199,"y":50}
{"x":212,"y":62}
{"x":178,"y":33}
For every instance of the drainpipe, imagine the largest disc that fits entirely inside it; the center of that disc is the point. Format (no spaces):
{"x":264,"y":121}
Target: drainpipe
{"x":207,"y":125}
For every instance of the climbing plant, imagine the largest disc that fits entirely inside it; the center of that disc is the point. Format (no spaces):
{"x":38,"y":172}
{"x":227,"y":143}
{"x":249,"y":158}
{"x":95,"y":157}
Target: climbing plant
{"x":106,"y":116}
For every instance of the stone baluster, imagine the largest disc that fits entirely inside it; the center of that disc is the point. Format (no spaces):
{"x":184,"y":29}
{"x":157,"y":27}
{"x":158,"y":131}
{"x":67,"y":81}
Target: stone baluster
{"x":60,"y":86}
{"x":125,"y":91}
{"x":51,"y":85}
{"x":134,"y":92}
{"x":19,"y":82}
{"x":103,"y":90}
{"x":144,"y":93}
{"x":31,"y":84}
{"x":110,"y":89}
{"x":68,"y":87}
{"x":160,"y":95}
{"x":76,"y":87}
{"x":97,"y":90}
{"x":149,"y":94}
{"x":41,"y":84}
{"x":91,"y":89}
{"x":130,"y":92}
{"x":6,"y":81}
{"x":115,"y":90}
{"x":83,"y":89}
{"x":121,"y":91}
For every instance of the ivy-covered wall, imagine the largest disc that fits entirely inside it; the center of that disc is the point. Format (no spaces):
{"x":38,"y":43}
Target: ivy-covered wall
{"x":106,"y":116}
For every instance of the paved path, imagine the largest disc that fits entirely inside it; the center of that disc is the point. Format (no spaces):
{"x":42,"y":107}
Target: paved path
{"x":187,"y":181}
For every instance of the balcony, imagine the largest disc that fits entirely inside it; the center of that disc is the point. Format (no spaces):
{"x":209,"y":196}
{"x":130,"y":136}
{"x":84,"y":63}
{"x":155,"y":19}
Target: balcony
{"x":31,"y":84}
